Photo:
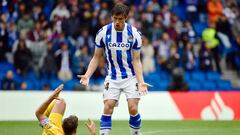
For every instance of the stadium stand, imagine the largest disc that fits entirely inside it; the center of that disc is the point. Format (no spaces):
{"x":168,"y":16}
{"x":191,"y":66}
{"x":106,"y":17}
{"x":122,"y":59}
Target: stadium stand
{"x":152,"y":19}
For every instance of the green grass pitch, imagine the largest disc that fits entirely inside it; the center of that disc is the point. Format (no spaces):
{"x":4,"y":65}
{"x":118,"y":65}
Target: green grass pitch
{"x":148,"y":128}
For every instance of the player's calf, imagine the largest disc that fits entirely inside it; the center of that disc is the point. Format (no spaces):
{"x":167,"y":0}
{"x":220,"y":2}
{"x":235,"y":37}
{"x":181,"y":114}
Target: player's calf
{"x":134,"y":124}
{"x":105,"y":124}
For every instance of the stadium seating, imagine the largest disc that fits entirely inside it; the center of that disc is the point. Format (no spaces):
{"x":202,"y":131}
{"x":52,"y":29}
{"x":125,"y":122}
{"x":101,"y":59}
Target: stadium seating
{"x":199,"y":27}
{"x":224,"y":85}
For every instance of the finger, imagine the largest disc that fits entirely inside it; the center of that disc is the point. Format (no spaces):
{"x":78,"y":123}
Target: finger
{"x":149,"y":85}
{"x":80,"y":76}
{"x":89,"y":121}
{"x":143,"y":93}
{"x":57,"y":98}
{"x":59,"y":88}
{"x":86,"y":124}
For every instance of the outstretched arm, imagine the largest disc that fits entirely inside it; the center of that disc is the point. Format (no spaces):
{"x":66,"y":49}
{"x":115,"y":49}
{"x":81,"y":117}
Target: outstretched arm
{"x":137,"y":65}
{"x":40,"y":111}
{"x":84,"y":79}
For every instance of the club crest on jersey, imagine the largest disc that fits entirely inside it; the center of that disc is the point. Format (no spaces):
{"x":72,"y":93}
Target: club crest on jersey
{"x":118,"y":45}
{"x":130,"y":38}
{"x":108,"y":36}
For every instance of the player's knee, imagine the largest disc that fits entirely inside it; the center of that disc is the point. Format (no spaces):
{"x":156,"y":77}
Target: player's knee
{"x":133,"y":110}
{"x":108,"y":106}
{"x":61,"y":102}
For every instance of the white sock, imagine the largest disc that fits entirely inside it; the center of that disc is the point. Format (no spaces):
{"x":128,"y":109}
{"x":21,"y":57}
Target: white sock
{"x":105,"y":132}
{"x":135,"y":131}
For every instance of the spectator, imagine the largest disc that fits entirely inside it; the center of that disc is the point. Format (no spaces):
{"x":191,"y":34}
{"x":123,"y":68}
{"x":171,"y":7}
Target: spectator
{"x":8,"y":83}
{"x":3,"y":41}
{"x":188,"y":57}
{"x":46,"y":87}
{"x":236,"y":29}
{"x":166,"y":15}
{"x":49,"y":68}
{"x":205,"y":57}
{"x":60,"y":10}
{"x":154,"y":6}
{"x":36,"y":33}
{"x":223,"y":31}
{"x":209,"y":37}
{"x":173,"y":59}
{"x":215,"y":10}
{"x":156,"y":31}
{"x":37,"y":9}
{"x":187,"y":33}
{"x":43,"y":21}
{"x":86,"y":40}
{"x":12,"y":34}
{"x":177,"y":82}
{"x":177,"y":23}
{"x":164,"y":50}
{"x":172,"y":32}
{"x":23,"y":85}
{"x":22,"y":58}
{"x":147,"y":24}
{"x":191,"y":9}
{"x":25,"y":22}
{"x":86,"y":15}
{"x":23,"y":37}
{"x":81,"y":60}
{"x":64,"y":63}
{"x":147,"y":60}
{"x":231,"y":10}
{"x":71,"y":25}
{"x":38,"y":50}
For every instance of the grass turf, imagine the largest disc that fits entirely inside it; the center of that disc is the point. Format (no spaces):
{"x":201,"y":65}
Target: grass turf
{"x":148,"y":128}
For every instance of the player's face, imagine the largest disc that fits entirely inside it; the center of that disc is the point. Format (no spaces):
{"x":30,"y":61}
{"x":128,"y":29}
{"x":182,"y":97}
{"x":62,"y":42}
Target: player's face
{"x":119,"y":21}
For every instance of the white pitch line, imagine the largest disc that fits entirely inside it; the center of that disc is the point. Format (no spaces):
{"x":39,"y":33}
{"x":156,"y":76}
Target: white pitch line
{"x":185,"y":130}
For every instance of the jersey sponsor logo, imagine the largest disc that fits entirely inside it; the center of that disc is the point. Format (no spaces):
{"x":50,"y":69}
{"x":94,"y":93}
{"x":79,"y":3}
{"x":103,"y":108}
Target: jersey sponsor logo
{"x":118,"y":45}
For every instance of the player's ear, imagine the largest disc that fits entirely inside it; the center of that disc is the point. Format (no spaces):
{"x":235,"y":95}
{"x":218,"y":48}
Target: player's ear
{"x":125,"y":17}
{"x":112,"y":17}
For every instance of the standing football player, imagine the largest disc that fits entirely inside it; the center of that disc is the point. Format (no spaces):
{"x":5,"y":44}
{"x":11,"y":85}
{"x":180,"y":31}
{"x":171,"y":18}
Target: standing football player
{"x":121,"y":43}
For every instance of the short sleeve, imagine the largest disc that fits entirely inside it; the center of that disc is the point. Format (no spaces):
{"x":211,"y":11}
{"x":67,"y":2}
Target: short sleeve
{"x":99,"y":38}
{"x":138,"y":40}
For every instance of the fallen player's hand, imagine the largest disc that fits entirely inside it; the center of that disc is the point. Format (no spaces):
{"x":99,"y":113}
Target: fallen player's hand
{"x":84,"y":79}
{"x":57,"y":92}
{"x":91,"y":127}
{"x":143,"y":88}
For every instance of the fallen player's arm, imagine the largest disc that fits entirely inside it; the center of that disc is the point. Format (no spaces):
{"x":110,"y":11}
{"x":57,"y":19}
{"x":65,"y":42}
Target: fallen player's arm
{"x":40,"y":111}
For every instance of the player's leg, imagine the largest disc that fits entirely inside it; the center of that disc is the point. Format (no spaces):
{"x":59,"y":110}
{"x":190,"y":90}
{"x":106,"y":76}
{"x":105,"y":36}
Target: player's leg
{"x":49,"y":109}
{"x":133,"y":97}
{"x":110,"y":97}
{"x":135,"y":118}
{"x":106,"y":118}
{"x":59,"y":107}
{"x":58,"y":112}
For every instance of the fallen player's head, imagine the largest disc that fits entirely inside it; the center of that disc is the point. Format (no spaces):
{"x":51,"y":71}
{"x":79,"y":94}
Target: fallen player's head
{"x":70,"y":125}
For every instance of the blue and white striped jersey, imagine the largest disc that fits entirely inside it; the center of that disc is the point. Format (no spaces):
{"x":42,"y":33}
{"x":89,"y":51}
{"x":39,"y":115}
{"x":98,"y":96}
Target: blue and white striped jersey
{"x":118,"y":47}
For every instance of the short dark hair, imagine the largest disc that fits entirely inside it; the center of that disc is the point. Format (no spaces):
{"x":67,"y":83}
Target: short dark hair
{"x":119,"y":9}
{"x":70,"y":124}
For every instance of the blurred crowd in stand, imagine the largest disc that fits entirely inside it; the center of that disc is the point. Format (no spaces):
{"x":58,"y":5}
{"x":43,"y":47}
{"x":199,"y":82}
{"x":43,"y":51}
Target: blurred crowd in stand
{"x":46,"y":42}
